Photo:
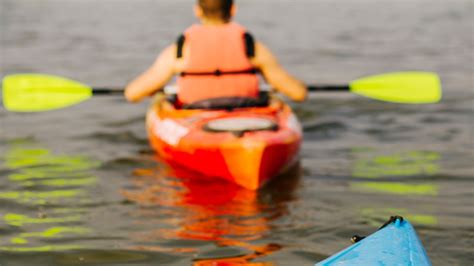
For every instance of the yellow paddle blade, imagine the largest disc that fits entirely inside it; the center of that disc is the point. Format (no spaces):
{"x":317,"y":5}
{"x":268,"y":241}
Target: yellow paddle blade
{"x":38,"y":92}
{"x":400,"y":87}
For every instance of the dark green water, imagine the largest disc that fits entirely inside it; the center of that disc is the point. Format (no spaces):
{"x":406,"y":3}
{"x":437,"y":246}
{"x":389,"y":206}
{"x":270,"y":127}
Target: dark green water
{"x":80,"y":186}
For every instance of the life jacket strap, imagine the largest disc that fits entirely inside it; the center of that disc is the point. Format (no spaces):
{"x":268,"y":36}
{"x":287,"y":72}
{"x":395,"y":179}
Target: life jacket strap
{"x":218,"y":72}
{"x":249,"y":45}
{"x":179,"y":44}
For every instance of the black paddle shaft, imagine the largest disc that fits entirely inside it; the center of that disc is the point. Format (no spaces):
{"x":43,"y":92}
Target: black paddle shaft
{"x":311,"y":88}
{"x":107,"y":91}
{"x":328,"y":88}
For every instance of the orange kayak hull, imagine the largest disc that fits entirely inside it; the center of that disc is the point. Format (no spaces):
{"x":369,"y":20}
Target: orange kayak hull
{"x":249,"y":160}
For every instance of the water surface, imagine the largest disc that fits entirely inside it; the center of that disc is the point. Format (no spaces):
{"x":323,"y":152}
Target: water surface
{"x":81,"y":185}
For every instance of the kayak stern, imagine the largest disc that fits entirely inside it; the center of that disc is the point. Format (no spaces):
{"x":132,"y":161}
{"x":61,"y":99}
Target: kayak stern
{"x":249,"y":159}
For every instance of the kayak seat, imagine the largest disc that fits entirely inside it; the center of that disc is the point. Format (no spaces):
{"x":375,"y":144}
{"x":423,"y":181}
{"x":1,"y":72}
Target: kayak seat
{"x":240,"y":125}
{"x":223,"y":103}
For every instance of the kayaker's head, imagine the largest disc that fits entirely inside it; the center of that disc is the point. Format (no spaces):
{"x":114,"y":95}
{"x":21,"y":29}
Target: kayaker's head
{"x":215,"y":11}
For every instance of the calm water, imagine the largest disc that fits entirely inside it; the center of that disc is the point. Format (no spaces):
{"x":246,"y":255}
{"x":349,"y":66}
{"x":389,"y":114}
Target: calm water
{"x":81,"y":185}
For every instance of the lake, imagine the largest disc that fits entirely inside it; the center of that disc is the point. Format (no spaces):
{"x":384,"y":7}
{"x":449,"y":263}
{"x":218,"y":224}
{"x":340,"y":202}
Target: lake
{"x":81,"y":185}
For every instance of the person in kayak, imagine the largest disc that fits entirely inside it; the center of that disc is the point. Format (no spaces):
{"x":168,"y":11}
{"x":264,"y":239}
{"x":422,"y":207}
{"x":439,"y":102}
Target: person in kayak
{"x":217,"y":58}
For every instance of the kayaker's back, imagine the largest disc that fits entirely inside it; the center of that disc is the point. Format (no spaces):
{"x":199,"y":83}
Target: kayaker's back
{"x":216,"y":63}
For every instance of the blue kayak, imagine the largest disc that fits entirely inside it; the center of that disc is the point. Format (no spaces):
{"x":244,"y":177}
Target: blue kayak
{"x":396,"y":243}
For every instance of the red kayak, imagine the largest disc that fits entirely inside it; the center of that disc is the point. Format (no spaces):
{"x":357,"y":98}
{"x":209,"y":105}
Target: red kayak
{"x":246,"y":144}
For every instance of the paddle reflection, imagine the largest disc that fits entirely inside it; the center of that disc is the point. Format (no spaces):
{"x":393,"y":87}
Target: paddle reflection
{"x":374,"y":215}
{"x":38,"y":188}
{"x":206,"y":210}
{"x":401,"y":165}
{"x":405,"y":171}
{"x":411,"y":163}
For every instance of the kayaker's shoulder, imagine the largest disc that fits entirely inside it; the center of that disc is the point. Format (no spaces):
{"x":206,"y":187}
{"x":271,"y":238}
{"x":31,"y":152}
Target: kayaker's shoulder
{"x":276,"y":75}
{"x":168,"y":57}
{"x":154,"y":78}
{"x":169,"y":52}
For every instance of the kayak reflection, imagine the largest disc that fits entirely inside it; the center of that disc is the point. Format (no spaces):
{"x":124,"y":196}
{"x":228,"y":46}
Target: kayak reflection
{"x":208,"y":211}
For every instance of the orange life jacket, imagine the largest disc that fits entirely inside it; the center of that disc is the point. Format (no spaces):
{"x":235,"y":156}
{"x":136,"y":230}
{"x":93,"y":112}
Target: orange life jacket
{"x":217,"y":63}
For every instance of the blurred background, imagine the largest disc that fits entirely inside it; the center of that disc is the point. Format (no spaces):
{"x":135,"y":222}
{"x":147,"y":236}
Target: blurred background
{"x":81,"y":185}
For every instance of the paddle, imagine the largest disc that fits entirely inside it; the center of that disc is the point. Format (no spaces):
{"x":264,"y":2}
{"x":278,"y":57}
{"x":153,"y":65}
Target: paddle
{"x":39,"y":92}
{"x":397,"y":87}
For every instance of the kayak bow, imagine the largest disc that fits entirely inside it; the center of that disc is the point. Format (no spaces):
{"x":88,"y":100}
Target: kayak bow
{"x":396,"y":243}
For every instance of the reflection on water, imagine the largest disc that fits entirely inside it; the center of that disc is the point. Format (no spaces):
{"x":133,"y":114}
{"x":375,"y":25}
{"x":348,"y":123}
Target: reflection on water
{"x":403,"y":165}
{"x":376,"y":216}
{"x":49,"y":184}
{"x":179,"y":212}
{"x":397,"y":188}
{"x":399,"y":164}
{"x":197,"y":209}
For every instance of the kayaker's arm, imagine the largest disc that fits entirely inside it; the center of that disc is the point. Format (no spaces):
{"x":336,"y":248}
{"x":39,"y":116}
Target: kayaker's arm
{"x":154,"y":78}
{"x":276,"y":76}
